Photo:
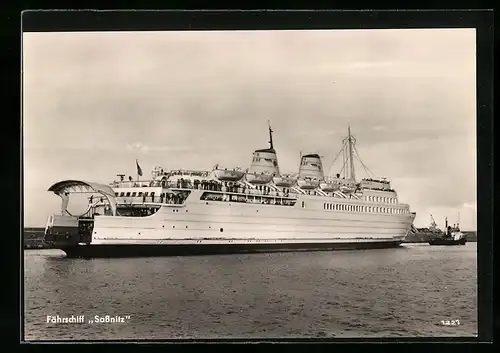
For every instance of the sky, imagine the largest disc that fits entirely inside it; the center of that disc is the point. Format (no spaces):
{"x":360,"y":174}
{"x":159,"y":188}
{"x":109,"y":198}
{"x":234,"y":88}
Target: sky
{"x":94,"y":102}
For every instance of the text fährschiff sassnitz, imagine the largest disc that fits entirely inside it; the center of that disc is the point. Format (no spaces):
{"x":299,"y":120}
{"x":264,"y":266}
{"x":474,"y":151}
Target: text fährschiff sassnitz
{"x":80,"y":319}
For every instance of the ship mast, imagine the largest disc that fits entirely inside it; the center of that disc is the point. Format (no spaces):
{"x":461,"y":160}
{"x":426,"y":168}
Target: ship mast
{"x":352,"y":173}
{"x":348,"y":149}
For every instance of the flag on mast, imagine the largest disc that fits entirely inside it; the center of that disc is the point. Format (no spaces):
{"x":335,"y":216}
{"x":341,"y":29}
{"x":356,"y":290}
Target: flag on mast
{"x":139,"y":170}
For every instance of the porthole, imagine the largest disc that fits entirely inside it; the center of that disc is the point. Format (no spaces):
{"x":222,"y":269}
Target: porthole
{"x":221,"y":230}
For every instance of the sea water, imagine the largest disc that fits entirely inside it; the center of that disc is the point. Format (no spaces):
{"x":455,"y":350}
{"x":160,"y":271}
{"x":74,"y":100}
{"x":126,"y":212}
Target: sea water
{"x":415,"y":290}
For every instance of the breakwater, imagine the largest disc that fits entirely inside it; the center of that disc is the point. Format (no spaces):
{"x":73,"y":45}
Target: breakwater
{"x":33,"y":238}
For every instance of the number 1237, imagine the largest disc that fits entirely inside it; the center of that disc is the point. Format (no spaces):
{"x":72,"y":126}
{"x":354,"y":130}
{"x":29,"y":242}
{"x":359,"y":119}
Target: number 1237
{"x":450,"y":322}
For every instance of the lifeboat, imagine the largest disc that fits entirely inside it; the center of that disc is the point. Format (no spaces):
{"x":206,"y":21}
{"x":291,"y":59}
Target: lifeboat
{"x":348,"y":188}
{"x":255,"y":178}
{"x":284,"y":181}
{"x":330,"y":186}
{"x":308,"y":183}
{"x":228,"y":175}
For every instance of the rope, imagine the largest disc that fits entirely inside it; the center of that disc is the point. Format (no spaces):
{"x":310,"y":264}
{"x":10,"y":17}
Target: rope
{"x":343,"y":166}
{"x":362,"y":164}
{"x":337,"y":156}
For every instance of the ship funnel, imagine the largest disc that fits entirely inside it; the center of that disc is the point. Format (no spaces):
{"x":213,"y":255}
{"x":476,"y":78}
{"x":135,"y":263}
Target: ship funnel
{"x":311,"y":166}
{"x":264,"y":161}
{"x":264,"y":164}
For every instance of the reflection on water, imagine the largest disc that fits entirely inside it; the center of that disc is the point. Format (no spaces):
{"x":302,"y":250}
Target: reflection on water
{"x":374,"y":293}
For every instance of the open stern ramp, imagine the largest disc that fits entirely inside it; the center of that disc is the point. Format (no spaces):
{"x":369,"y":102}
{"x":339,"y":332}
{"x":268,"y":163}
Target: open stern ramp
{"x":69,"y":230}
{"x":64,"y":188}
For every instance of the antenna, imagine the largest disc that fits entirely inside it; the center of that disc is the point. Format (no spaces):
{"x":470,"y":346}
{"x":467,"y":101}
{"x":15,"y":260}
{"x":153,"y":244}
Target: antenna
{"x":270,"y":134}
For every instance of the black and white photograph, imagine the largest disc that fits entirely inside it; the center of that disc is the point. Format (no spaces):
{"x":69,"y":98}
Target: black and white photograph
{"x":242,"y":184}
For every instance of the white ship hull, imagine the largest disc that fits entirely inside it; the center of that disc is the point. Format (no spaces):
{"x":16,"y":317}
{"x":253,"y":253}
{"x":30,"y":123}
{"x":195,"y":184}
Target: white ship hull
{"x":201,"y":227}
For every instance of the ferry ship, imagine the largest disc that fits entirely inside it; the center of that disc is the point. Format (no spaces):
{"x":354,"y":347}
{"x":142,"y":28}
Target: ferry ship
{"x":230,"y":210}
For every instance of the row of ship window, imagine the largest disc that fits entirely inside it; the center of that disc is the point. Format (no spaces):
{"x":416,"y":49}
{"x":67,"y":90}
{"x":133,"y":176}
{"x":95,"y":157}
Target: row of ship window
{"x":134,"y":194}
{"x":258,"y":159}
{"x":358,"y":208}
{"x":381,"y":199}
{"x":139,"y":194}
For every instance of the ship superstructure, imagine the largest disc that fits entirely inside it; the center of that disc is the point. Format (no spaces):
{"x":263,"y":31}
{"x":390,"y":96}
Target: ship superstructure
{"x":230,"y":210}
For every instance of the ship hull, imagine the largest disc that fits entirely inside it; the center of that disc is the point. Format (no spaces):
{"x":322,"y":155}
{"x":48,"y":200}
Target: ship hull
{"x":161,"y":250}
{"x":203,"y":227}
{"x":447,"y":241}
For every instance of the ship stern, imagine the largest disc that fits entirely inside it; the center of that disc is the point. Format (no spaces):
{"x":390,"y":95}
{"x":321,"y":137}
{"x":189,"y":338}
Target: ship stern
{"x":61,"y":231}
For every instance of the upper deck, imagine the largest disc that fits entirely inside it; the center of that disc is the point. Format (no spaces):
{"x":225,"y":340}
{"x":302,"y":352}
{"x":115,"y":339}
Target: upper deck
{"x":166,"y":185}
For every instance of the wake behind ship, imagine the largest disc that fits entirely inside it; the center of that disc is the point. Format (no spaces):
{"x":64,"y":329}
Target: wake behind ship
{"x":230,"y":210}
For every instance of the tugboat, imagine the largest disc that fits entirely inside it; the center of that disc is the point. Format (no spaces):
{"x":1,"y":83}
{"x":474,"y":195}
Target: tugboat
{"x":451,"y":236}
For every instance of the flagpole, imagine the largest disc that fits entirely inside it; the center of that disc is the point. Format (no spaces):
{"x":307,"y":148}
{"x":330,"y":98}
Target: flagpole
{"x":137,"y":169}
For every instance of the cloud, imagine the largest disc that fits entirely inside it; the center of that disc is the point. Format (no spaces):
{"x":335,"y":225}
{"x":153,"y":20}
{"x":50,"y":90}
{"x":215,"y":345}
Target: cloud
{"x":144,"y":148}
{"x":471,"y":206}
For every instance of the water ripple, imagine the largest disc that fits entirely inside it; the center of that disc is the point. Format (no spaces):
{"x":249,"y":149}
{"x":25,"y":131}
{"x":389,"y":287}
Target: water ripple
{"x":376,"y":293}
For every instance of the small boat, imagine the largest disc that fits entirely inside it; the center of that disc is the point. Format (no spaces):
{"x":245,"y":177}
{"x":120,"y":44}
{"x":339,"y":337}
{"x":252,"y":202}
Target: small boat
{"x":254,"y":178}
{"x":452,"y":236}
{"x":284,"y":181}
{"x":347,"y":188}
{"x":308,"y":183}
{"x":330,"y":186}
{"x":228,"y":175}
